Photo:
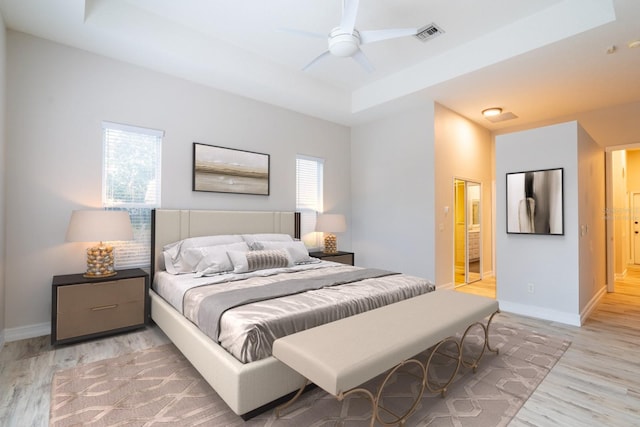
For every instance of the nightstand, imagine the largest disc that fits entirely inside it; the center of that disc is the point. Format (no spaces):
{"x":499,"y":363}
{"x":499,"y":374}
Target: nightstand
{"x":342,"y":257}
{"x":83,"y":308}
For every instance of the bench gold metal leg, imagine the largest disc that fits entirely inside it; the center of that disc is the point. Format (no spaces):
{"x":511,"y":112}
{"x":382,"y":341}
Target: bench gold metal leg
{"x":485,"y":345}
{"x":473,"y":364}
{"x":374,"y":403}
{"x":496,"y":350}
{"x":279,"y":409}
{"x":376,"y":400}
{"x":442,"y":389}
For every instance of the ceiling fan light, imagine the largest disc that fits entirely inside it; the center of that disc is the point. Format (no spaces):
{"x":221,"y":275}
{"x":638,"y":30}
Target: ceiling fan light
{"x":345,"y":45}
{"x":343,"y":48}
{"x":493,"y":111}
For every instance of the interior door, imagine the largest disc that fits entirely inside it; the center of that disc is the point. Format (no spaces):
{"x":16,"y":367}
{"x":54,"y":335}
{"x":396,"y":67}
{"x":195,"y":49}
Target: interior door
{"x":459,"y":233}
{"x":467,"y":232}
{"x":474,"y":248}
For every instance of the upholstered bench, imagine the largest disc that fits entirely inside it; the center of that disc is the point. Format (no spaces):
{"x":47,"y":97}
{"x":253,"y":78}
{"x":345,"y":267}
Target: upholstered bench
{"x":342,"y":355}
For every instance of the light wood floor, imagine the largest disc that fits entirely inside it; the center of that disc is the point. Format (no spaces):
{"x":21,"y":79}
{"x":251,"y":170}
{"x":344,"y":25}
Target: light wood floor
{"x":485,"y":287}
{"x":596,"y":382}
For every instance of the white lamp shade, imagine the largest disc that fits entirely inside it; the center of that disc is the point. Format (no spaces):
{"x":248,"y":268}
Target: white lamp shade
{"x":99,"y":226}
{"x":331,"y":223}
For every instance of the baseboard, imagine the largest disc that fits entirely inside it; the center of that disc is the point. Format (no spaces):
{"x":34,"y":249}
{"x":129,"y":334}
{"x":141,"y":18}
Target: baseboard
{"x":30,"y":331}
{"x":620,"y":276}
{"x":540,"y":313}
{"x":592,"y":304}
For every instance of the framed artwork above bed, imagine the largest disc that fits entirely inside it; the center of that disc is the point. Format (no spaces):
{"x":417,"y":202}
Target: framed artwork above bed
{"x":228,"y":170}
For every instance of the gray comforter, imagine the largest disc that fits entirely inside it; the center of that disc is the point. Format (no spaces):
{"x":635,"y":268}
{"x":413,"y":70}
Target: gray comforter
{"x":214,"y":306}
{"x":247,"y":331}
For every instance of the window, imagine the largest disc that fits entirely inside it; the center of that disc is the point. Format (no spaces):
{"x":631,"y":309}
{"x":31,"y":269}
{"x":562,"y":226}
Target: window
{"x":131,"y":181}
{"x":309,"y":197}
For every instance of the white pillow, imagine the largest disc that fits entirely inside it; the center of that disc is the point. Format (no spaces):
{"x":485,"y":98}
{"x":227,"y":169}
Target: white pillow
{"x":201,"y":242}
{"x":251,"y":239}
{"x":244,"y":262}
{"x":214,"y":259}
{"x":296,"y":249}
{"x":179,"y":256}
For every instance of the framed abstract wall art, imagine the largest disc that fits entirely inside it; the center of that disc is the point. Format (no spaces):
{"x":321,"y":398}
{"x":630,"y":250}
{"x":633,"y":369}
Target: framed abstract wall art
{"x":228,"y":170}
{"x":535,"y":202}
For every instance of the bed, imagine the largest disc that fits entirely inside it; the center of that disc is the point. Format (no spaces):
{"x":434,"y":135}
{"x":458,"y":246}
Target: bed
{"x":247,"y":387}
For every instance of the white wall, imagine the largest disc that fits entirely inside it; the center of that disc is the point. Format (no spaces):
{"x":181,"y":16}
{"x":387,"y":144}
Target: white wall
{"x":3,"y":55}
{"x":591,"y":218}
{"x":59,"y":97}
{"x":392,"y":190}
{"x":567,"y":272}
{"x":464,"y":150}
{"x":550,"y":263}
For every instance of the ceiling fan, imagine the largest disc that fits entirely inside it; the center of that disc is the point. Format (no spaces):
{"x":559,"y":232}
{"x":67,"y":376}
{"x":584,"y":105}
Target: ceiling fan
{"x":345,"y":40}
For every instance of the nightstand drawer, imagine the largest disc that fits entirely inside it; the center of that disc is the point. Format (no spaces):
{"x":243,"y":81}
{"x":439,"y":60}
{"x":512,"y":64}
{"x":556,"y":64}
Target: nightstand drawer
{"x":344,"y":259}
{"x":87,"y":295}
{"x":90,"y":308}
{"x":341,"y":257}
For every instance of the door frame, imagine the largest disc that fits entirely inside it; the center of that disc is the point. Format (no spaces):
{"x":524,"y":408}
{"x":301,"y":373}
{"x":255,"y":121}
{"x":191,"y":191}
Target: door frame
{"x":632,"y":231}
{"x":609,"y":231}
{"x":609,"y":212}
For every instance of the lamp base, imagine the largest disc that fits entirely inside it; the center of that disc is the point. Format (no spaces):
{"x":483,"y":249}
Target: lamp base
{"x":100,"y":262}
{"x":330,"y":244}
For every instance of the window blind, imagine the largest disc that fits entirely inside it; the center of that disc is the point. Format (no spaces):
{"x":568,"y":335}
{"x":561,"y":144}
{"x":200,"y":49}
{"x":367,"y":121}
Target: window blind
{"x":131,"y":182}
{"x":309,"y":177}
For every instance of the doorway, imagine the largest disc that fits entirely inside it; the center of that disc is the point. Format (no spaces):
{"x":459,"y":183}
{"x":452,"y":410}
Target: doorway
{"x":467,"y":232}
{"x":635,"y":227}
{"x":622,"y":211}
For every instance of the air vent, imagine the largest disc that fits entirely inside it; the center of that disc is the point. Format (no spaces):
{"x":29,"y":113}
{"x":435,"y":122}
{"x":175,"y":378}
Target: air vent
{"x":428,"y":32}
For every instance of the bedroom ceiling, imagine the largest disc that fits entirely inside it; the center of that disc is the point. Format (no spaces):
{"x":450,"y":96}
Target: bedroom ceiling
{"x":544,"y":61}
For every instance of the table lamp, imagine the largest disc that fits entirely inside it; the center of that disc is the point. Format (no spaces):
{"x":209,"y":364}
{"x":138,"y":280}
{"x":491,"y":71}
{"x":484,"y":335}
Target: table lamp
{"x":329,"y":224}
{"x":99,"y":226}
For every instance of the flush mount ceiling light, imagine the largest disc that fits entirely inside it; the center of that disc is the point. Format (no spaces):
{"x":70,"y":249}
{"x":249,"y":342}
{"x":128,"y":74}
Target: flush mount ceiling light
{"x":634,"y":43}
{"x":493,"y":111}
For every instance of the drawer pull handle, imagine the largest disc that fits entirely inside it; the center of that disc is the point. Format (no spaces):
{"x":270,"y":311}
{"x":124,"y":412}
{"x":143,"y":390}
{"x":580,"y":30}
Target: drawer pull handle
{"x":104,"y":307}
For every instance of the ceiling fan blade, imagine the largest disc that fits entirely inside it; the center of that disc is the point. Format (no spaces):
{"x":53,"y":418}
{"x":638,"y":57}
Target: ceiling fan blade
{"x":303,"y":33}
{"x":349,"y":14}
{"x":316,"y":60}
{"x":362,"y":59}
{"x":377,"y":35}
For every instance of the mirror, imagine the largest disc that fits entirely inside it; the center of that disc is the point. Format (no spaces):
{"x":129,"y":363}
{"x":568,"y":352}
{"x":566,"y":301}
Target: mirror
{"x":467,"y":232}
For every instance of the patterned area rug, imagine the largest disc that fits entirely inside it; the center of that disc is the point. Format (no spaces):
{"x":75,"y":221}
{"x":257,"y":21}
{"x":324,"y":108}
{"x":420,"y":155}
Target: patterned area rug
{"x":158,"y":387}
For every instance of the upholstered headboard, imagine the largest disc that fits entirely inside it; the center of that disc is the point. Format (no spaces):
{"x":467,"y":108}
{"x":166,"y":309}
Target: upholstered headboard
{"x":169,"y":226}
